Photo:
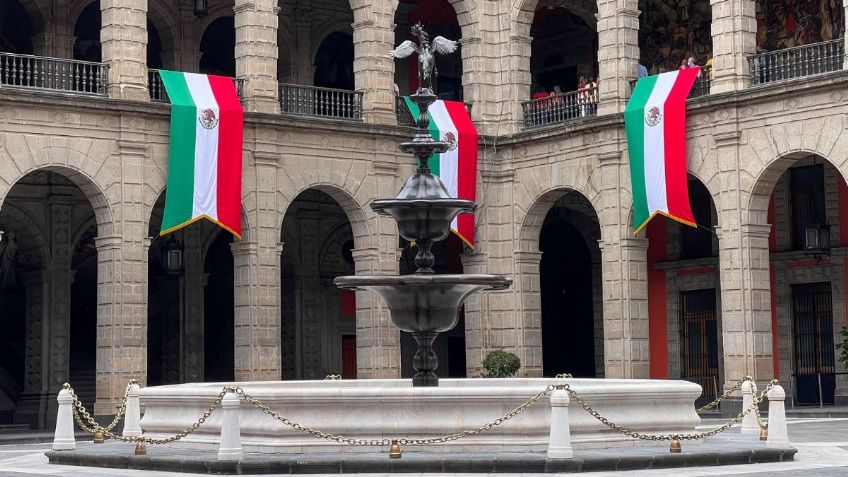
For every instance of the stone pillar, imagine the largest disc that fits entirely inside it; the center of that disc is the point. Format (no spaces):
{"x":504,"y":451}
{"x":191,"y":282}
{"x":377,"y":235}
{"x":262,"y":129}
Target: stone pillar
{"x":745,"y":302}
{"x":36,"y":397}
{"x":59,"y":301}
{"x":524,"y":334}
{"x":476,"y":313}
{"x":257,"y":311}
{"x":377,"y":338}
{"x":123,"y":38}
{"x":256,"y":53}
{"x":192,"y":352}
{"x":121,"y":318}
{"x":618,"y":52}
{"x":303,"y":70}
{"x":625,"y":288}
{"x":734,"y":30}
{"x":373,"y":68}
{"x":845,"y":16}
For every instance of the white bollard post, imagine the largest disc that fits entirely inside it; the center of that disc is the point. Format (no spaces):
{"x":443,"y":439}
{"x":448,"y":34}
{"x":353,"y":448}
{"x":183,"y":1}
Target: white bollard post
{"x":230,"y":448}
{"x":132,"y":418}
{"x":559,"y":446}
{"x":63,"y":439}
{"x":778,"y":436}
{"x":749,"y":422}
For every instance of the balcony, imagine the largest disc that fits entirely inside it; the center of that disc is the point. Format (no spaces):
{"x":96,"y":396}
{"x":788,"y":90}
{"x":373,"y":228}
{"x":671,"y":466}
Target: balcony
{"x":560,"y":108}
{"x":797,"y":62}
{"x":53,"y":74}
{"x":701,"y":87}
{"x":159,"y":95}
{"x":320,"y":102}
{"x":404,"y":116}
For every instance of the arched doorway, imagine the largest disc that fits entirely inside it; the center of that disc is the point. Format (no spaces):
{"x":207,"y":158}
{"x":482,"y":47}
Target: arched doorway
{"x":449,"y":346}
{"x":684,"y":296}
{"x":438,"y":18}
{"x":16,"y":29}
{"x":334,"y":62}
{"x":570,"y":284}
{"x":87,"y":34}
{"x":671,"y":32}
{"x":48,"y":291}
{"x":218,"y":48}
{"x":318,"y":319}
{"x":803,"y":197}
{"x":219,"y":311}
{"x":564,"y":50}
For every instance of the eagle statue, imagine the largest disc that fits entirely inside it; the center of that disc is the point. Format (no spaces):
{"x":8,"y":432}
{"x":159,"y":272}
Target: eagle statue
{"x":426,"y":54}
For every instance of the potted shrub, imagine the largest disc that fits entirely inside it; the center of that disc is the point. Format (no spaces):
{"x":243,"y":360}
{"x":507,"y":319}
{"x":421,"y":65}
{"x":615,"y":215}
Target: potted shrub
{"x":501,"y":364}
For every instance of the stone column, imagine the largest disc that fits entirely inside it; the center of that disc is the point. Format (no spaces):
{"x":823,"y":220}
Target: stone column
{"x":734,"y":30}
{"x":303,"y":71}
{"x":256,"y":53}
{"x":59,"y":332}
{"x":377,"y":338}
{"x":845,"y":16}
{"x":524,"y":334}
{"x":373,"y":68}
{"x":476,"y":312}
{"x":192,"y":352}
{"x":37,"y":395}
{"x":257,"y":311}
{"x":745,"y":303}
{"x":625,"y":288}
{"x":121,"y":318}
{"x":123,"y":38}
{"x":618,"y":52}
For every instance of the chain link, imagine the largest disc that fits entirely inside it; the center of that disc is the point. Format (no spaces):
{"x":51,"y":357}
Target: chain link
{"x":727,"y":393}
{"x":89,"y":425}
{"x":666,"y":437}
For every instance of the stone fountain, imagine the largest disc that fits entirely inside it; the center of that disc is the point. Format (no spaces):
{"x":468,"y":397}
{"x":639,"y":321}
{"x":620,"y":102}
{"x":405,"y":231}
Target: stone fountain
{"x":424,"y":304}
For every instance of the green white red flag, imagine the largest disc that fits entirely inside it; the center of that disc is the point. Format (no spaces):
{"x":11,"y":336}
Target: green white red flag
{"x":655,"y":123}
{"x":457,"y":167}
{"x":204,"y":168}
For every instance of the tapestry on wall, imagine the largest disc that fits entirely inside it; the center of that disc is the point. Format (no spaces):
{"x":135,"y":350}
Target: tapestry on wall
{"x":204,"y":168}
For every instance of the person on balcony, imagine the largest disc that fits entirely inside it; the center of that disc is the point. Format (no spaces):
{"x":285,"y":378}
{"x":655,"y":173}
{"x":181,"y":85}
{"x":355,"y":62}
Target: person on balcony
{"x":540,"y":108}
{"x":582,"y":96}
{"x":556,"y":103}
{"x":641,"y":71}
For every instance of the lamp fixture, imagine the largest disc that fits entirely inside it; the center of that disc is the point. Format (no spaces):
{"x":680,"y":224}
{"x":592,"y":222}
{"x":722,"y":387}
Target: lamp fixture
{"x":172,"y":257}
{"x":817,"y":241}
{"x":201,"y":8}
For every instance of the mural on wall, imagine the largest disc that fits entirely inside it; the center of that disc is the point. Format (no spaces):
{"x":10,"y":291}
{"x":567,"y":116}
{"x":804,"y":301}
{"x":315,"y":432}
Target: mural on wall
{"x":671,"y":31}
{"x":787,"y":23}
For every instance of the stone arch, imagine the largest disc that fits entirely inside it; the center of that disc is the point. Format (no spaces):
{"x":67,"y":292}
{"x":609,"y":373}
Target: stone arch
{"x":162,"y":17}
{"x":535,"y":215}
{"x":36,"y":11}
{"x":325,"y":30}
{"x":352,"y":208}
{"x":34,"y":245}
{"x":286,"y":51}
{"x":93,"y":190}
{"x":340,"y":234}
{"x":524,"y":11}
{"x":215,"y":12}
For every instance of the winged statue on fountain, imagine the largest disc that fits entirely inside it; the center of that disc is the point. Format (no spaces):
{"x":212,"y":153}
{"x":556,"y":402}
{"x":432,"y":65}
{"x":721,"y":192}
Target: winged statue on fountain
{"x":426,"y":54}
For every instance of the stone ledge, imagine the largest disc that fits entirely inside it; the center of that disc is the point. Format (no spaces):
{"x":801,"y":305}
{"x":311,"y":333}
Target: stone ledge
{"x":726,"y":450}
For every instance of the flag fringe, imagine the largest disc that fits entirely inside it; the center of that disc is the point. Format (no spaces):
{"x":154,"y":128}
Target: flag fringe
{"x":196,"y":219}
{"x":659,"y":212}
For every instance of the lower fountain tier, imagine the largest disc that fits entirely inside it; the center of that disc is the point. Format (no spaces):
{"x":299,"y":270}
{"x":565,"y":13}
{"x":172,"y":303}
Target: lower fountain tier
{"x":424,"y":302}
{"x":392,"y":408}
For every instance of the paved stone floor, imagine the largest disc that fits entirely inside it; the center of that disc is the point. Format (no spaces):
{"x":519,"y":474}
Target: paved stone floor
{"x":822,"y":452}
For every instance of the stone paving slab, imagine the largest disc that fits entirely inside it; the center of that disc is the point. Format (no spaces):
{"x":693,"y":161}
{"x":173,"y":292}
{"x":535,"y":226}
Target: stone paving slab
{"x":720,"y":450}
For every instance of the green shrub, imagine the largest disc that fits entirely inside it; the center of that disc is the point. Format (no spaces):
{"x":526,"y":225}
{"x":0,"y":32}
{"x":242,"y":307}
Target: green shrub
{"x":843,"y":347}
{"x":501,"y":364}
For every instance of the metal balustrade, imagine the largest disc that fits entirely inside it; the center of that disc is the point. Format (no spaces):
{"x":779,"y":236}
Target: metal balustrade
{"x":797,"y":62}
{"x":701,"y":87}
{"x":320,"y":102}
{"x":404,"y":116}
{"x":53,"y":74}
{"x":157,"y":89}
{"x":560,"y":108}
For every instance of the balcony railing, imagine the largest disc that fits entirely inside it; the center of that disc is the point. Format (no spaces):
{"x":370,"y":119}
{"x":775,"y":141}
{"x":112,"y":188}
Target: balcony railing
{"x":157,"y":88}
{"x":701,"y":87}
{"x":320,"y":102}
{"x":53,"y":74}
{"x":560,"y":108}
{"x":797,"y":62}
{"x":404,"y":116}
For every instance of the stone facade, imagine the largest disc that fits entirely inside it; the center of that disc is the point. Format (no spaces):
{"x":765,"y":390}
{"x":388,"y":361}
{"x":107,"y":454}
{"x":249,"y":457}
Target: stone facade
{"x":112,"y":153}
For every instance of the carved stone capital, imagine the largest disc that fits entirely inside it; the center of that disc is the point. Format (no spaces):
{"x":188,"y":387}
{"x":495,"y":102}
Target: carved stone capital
{"x":730,"y":138}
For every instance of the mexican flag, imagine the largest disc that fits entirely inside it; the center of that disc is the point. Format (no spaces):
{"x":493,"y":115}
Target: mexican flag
{"x":457,"y":167}
{"x":655,"y":123}
{"x":204,"y":168}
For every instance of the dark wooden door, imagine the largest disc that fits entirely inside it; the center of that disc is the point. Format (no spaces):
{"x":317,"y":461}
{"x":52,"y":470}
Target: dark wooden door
{"x":812,"y":328}
{"x":348,"y":357}
{"x":699,"y":339}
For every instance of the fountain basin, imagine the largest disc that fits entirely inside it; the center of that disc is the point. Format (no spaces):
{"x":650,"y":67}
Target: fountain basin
{"x":422,"y":302}
{"x":393,"y":408}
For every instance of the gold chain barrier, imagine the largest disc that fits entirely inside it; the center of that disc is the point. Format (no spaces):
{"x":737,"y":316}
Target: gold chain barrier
{"x":727,"y":393}
{"x":87,"y":423}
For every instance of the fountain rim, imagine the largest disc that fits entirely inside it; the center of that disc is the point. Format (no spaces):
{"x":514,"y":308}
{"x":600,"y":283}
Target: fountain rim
{"x":495,"y":282}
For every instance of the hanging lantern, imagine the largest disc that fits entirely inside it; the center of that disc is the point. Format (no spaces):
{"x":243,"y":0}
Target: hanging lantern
{"x":201,"y":8}
{"x":172,"y":257}
{"x":817,"y":241}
